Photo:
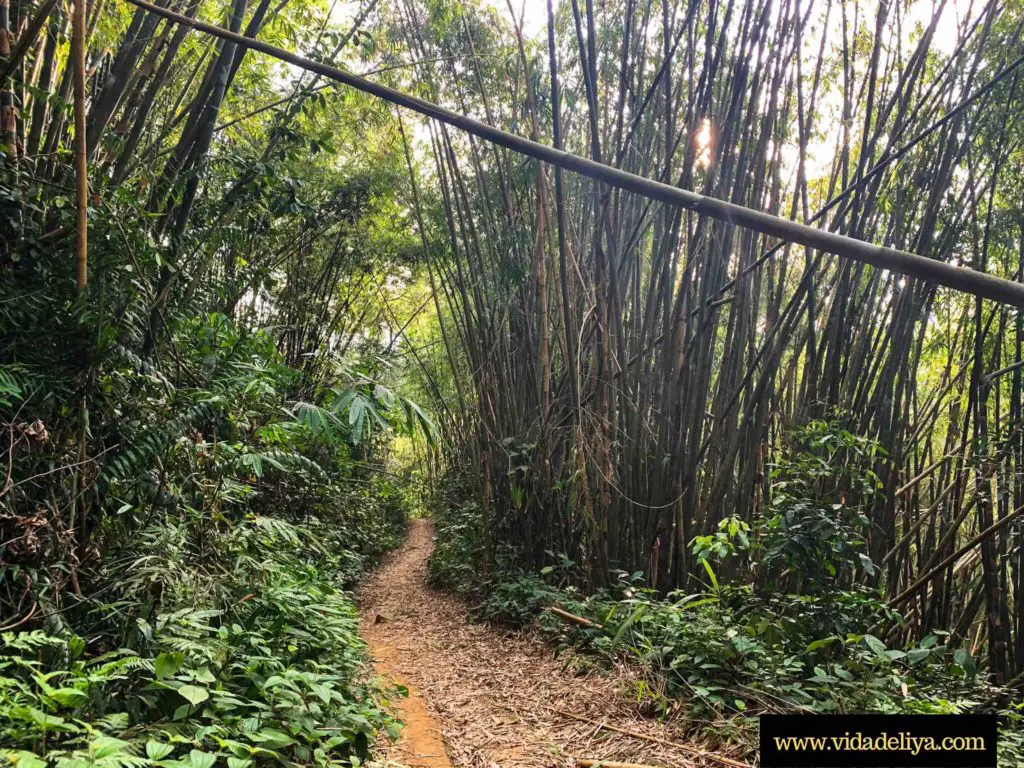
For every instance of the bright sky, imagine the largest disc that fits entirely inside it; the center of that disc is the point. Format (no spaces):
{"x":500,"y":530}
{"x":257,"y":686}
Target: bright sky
{"x":534,"y":14}
{"x":820,"y":150}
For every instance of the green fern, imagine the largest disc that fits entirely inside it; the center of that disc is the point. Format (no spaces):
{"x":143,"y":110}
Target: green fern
{"x":30,"y":642}
{"x":12,"y":378}
{"x":140,"y":452}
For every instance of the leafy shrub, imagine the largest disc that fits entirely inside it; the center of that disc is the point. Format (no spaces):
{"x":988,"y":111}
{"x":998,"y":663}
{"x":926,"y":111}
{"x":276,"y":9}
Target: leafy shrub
{"x":728,"y":651}
{"x":211,"y":625}
{"x":517,"y":600}
{"x":815,"y":526}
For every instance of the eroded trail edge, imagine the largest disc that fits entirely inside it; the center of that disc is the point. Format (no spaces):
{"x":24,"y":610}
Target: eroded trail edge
{"x":483,"y":697}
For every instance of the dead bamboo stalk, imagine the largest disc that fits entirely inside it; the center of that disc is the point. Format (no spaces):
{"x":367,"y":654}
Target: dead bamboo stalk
{"x":587,"y":762}
{"x":959,"y":278}
{"x":574,"y":618}
{"x":1004,"y":521}
{"x":656,"y":740}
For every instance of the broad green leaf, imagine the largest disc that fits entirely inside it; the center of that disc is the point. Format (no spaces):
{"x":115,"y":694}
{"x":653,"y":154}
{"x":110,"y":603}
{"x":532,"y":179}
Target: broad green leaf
{"x":23,"y":759}
{"x":918,"y":654}
{"x":68,"y":697}
{"x":199,"y":759}
{"x":46,"y":721}
{"x":273,"y":738}
{"x":194,"y":694}
{"x":876,"y":645}
{"x":166,"y":664}
{"x":963,"y":657}
{"x":106,"y":746}
{"x":157,"y":751}
{"x":821,"y":643}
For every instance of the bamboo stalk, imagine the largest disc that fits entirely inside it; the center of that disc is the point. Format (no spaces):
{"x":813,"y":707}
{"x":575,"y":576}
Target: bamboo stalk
{"x":573,"y":618}
{"x":910,"y":484}
{"x":8,"y":111}
{"x":27,"y":39}
{"x":983,"y":536}
{"x":78,"y":52}
{"x":78,"y":44}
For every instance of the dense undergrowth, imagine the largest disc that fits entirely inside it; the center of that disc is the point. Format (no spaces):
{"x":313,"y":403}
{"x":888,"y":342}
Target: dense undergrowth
{"x":765,"y":642}
{"x":194,"y":423}
{"x":194,"y":611}
{"x":251,"y":660}
{"x":212,"y":625}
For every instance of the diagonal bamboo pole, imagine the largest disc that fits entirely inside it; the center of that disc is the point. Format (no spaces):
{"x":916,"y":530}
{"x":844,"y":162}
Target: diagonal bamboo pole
{"x":1004,"y":521}
{"x":959,"y":278}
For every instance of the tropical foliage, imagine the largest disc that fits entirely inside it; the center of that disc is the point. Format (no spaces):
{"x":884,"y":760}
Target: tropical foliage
{"x":250,"y":318}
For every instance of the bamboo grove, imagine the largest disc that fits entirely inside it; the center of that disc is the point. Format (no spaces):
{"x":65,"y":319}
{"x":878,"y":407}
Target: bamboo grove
{"x":619,"y":376}
{"x":636,"y":369}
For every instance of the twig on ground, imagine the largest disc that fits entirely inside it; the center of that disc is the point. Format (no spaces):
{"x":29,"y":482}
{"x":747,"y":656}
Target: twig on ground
{"x":676,"y":745}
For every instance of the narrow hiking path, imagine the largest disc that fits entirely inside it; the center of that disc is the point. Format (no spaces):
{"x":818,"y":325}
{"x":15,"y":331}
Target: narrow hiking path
{"x":482,"y":697}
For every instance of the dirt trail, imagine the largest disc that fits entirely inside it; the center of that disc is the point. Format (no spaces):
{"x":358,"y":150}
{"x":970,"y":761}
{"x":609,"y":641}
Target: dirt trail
{"x":484,"y":698}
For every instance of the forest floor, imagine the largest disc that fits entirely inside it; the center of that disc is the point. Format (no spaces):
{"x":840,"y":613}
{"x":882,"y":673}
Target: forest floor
{"x":486,"y":698}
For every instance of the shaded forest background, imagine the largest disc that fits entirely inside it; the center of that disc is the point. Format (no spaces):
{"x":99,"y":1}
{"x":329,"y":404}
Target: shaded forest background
{"x":677,"y":427}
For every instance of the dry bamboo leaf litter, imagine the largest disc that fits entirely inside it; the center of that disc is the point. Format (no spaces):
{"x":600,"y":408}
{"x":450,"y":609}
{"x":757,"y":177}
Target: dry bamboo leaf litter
{"x":497,"y":698}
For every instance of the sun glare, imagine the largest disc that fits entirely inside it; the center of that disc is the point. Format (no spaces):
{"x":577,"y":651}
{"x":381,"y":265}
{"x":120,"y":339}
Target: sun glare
{"x":702,"y":140}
